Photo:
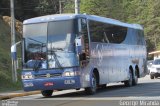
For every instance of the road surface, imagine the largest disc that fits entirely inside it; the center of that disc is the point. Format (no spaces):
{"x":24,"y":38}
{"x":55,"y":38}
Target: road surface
{"x":146,"y":93}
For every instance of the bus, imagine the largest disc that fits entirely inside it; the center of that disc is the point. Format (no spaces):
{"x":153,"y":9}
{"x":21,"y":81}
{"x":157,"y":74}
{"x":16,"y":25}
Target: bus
{"x":74,"y":51}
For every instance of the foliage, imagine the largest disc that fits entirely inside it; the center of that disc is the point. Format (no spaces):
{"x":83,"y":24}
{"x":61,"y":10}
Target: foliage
{"x":5,"y":59}
{"x":45,"y":7}
{"x":25,"y":9}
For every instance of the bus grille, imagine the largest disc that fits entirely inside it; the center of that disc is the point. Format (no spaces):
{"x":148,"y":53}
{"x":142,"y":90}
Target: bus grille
{"x":48,"y":75}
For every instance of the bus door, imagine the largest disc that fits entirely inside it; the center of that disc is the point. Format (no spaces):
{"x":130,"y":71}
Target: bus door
{"x":82,"y":41}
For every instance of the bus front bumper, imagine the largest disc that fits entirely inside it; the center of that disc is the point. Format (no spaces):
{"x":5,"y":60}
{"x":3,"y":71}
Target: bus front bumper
{"x":60,"y":83}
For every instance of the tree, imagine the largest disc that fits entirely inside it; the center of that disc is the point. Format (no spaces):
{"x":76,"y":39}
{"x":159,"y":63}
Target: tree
{"x":5,"y":7}
{"x":107,"y":8}
{"x":46,"y":7}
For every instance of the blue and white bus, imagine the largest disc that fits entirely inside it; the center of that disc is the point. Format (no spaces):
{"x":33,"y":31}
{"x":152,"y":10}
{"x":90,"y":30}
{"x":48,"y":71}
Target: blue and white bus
{"x":73,"y":51}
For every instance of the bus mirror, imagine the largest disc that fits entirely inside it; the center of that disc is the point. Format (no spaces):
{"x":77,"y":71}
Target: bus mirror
{"x":14,"y":50}
{"x":79,"y":44}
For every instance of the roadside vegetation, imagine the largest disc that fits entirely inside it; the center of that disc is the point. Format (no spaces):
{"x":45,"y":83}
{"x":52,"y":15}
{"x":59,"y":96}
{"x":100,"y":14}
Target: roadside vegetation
{"x":6,"y":83}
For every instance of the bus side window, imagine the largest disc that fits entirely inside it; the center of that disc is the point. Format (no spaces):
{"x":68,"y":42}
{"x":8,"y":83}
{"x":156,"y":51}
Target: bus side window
{"x":97,"y":31}
{"x":141,"y":34}
{"x":107,"y":33}
{"x":131,"y":37}
{"x":139,"y":41}
{"x":116,"y":34}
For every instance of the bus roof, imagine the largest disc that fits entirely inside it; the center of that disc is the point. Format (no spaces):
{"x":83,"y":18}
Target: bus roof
{"x":57,"y":17}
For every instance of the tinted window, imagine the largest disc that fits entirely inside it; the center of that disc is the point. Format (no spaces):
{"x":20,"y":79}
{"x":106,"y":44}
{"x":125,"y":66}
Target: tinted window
{"x":35,"y":41}
{"x":96,"y":31}
{"x":141,"y":37}
{"x":61,"y":35}
{"x":135,"y":37}
{"x":36,"y":31}
{"x":102,"y":32}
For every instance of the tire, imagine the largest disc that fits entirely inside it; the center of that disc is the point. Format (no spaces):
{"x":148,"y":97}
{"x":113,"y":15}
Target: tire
{"x":129,"y":82}
{"x":135,"y":78}
{"x":78,"y":89}
{"x":103,"y":86}
{"x":92,"y":90}
{"x":47,"y":93}
{"x":151,"y":76}
{"x":156,"y":76}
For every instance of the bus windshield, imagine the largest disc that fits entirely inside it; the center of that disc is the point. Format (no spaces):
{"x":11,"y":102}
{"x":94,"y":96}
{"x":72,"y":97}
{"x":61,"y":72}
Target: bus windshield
{"x":50,"y":45}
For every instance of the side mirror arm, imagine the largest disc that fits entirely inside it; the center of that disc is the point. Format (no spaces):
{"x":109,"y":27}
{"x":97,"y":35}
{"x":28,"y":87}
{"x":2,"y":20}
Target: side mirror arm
{"x":14,"y":50}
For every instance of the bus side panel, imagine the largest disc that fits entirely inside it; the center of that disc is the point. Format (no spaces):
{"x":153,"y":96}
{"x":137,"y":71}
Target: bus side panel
{"x":113,"y":60}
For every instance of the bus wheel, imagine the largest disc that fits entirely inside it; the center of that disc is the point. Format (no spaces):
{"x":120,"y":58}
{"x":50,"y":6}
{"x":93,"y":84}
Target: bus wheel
{"x":103,"y":86}
{"x":47,"y":93}
{"x":129,"y":82}
{"x":156,"y":76}
{"x":135,"y":79}
{"x":151,"y":76}
{"x":93,"y":88}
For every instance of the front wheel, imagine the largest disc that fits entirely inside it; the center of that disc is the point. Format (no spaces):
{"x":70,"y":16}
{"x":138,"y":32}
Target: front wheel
{"x":156,"y":76}
{"x":93,"y":88}
{"x":47,"y":93}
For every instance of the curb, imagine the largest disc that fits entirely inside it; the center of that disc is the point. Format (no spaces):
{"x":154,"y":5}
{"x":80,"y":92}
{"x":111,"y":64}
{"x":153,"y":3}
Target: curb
{"x":9,"y":96}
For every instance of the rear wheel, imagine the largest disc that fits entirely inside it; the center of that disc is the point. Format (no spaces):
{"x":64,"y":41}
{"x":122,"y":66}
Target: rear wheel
{"x":93,"y":88}
{"x":156,"y":76}
{"x":47,"y":93}
{"x":103,"y":86}
{"x":152,"y":76}
{"x":135,"y":79}
{"x":129,"y":82}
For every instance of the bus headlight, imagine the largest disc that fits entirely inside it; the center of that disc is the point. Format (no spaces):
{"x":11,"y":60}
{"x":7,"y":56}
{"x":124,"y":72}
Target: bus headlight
{"x":27,"y":76}
{"x":71,"y":73}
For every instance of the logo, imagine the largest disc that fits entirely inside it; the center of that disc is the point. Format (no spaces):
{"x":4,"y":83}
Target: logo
{"x":100,"y":54}
{"x":48,"y":75}
{"x":9,"y":103}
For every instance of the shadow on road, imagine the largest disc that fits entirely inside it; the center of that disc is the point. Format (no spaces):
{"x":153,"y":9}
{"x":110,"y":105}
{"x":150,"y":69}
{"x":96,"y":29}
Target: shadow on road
{"x":142,"y":89}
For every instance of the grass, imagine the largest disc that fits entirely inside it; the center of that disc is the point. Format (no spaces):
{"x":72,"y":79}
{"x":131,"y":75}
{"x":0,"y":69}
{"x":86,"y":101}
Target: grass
{"x":6,"y":83}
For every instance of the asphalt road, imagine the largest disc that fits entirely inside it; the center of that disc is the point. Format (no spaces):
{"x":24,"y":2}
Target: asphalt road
{"x":146,"y":93}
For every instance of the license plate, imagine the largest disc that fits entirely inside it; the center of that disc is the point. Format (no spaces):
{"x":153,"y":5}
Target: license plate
{"x":48,"y":84}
